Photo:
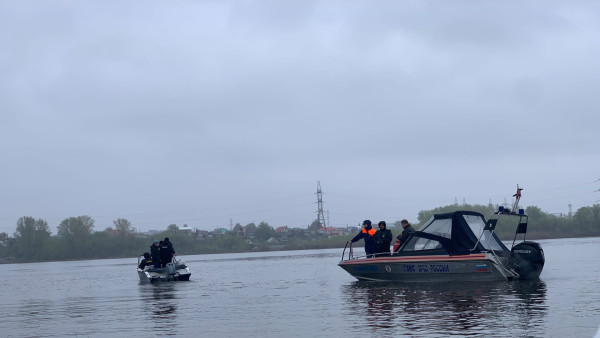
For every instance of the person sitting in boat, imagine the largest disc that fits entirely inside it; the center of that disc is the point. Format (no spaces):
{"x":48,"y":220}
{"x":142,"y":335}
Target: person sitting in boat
{"x":166,"y":252}
{"x":406,"y":233}
{"x":155,"y":253}
{"x":383,"y":238}
{"x":146,"y":261}
{"x":367,"y":233}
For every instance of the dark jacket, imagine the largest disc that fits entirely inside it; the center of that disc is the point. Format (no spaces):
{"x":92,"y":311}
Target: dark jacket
{"x":144,"y":263}
{"x":155,"y":253}
{"x":166,"y":252}
{"x":383,"y":238}
{"x":366,"y":234}
{"x":409,"y":230}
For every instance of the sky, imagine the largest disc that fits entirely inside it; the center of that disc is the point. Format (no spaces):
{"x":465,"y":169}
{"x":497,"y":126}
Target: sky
{"x":211,"y":113}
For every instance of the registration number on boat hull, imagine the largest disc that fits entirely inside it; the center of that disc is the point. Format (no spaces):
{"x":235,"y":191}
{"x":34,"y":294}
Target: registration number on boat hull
{"x":426,"y":268}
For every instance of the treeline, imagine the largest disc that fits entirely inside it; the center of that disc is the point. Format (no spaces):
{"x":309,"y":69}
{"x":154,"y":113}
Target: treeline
{"x":33,"y":241}
{"x":585,"y":222}
{"x":75,"y":239}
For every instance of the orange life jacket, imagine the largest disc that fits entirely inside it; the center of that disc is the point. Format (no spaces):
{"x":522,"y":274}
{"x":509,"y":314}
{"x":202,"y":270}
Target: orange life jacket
{"x":370,"y":232}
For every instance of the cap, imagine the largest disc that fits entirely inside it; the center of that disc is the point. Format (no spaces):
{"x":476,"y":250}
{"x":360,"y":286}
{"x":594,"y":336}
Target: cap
{"x":366,"y":222}
{"x":156,"y":241}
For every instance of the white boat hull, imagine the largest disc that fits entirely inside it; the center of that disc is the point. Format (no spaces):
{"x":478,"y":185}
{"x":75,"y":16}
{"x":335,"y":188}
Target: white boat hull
{"x":167,"y":274}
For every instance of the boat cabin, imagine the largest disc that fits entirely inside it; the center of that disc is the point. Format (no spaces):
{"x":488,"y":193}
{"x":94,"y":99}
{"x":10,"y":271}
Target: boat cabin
{"x":454,"y":233}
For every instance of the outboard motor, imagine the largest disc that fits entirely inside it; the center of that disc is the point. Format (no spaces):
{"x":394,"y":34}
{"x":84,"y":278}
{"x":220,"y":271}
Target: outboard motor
{"x":171,"y":268}
{"x":527,"y":259}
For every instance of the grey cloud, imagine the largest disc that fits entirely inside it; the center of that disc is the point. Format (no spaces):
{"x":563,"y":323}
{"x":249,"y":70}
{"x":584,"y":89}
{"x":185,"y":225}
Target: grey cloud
{"x":198,"y":111}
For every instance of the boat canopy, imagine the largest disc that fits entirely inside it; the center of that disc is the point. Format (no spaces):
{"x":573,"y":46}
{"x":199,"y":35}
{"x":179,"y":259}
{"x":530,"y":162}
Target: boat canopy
{"x":454,"y":233}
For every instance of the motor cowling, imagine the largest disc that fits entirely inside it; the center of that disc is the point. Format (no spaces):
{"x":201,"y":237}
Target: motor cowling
{"x":171,"y":269}
{"x":527,"y":259}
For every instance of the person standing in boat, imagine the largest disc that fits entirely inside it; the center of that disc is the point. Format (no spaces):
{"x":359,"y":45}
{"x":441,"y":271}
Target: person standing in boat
{"x":406,"y":233}
{"x":166,"y":252}
{"x":155,"y":253}
{"x":383,"y":238}
{"x":367,"y":233}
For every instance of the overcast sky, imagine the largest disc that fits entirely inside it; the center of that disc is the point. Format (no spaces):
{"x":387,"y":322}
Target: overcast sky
{"x":202,"y":112}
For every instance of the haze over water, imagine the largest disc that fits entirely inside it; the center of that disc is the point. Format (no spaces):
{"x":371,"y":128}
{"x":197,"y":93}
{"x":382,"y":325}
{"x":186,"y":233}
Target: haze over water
{"x":297,"y":294}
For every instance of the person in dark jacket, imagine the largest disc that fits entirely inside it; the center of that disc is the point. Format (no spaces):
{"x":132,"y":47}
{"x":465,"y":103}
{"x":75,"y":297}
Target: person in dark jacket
{"x":146,"y":261}
{"x":155,"y":253}
{"x":383,"y":238}
{"x":166,"y":252}
{"x":406,"y":233}
{"x":367,"y":233}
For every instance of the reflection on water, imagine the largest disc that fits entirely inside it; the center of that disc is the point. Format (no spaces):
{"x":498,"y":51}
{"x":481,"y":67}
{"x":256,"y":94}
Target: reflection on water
{"x":160,"y":303}
{"x":391,"y":309}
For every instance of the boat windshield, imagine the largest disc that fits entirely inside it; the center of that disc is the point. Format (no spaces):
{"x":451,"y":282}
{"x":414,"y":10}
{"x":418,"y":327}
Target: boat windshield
{"x":440,"y":227}
{"x":419,"y":243}
{"x":477,"y":225}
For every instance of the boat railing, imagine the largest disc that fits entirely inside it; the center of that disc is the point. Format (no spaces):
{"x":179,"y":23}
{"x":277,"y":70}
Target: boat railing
{"x":350,"y":251}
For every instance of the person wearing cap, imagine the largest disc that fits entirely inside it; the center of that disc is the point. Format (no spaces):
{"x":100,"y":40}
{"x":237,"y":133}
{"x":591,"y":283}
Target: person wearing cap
{"x":154,"y":252}
{"x":406,"y":233}
{"x":366,"y":233}
{"x":383,"y":238}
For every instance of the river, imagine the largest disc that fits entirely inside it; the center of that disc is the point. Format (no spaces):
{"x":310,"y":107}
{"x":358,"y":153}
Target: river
{"x":297,"y":294}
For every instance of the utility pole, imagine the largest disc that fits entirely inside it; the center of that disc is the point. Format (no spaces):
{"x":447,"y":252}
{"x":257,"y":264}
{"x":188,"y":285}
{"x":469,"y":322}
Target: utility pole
{"x":570,"y":210}
{"x":320,"y":216}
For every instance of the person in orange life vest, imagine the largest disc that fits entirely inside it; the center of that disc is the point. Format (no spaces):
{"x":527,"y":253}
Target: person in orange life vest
{"x":367,"y":234}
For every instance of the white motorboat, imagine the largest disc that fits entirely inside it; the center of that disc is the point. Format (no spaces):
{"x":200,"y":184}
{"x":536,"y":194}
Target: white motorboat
{"x":176,"y":270}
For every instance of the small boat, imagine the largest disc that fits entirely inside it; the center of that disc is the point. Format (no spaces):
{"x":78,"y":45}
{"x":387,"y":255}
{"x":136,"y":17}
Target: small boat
{"x":456,"y":246}
{"x":176,"y":270}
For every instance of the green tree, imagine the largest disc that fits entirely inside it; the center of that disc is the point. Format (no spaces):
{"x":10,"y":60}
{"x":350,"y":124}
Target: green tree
{"x":3,"y":239}
{"x":76,"y":234}
{"x":587,"y":220}
{"x":264,"y":231}
{"x":123,"y":227}
{"x":425,"y":215}
{"x":251,"y":227}
{"x":315,"y":225}
{"x":31,"y":236}
{"x":76,"y":228}
{"x":173,"y":228}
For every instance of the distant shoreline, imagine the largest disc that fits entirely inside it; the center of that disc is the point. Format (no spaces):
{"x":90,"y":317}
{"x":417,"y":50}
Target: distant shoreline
{"x":359,"y":245}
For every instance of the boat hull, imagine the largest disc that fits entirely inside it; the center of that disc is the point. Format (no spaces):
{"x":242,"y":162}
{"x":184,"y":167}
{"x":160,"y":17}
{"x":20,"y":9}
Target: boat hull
{"x":149,"y":276}
{"x":480,"y":267}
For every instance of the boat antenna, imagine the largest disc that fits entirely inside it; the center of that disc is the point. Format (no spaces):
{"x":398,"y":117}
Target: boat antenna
{"x":517,"y":196}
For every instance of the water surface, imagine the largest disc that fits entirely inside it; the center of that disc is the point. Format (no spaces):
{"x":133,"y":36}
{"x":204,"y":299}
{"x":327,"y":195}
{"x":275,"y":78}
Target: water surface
{"x":297,"y":294}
